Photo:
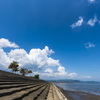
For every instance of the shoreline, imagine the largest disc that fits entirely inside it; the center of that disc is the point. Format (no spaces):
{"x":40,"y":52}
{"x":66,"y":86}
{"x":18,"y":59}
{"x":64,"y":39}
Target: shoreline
{"x":78,"y":95}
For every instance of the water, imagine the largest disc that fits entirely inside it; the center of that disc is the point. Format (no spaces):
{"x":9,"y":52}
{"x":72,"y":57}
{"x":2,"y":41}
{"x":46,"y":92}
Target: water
{"x":93,"y":88}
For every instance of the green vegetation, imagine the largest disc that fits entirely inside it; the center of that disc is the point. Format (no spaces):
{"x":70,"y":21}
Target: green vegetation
{"x":36,"y":76}
{"x":25,"y":71}
{"x":14,"y":66}
{"x":30,"y":71}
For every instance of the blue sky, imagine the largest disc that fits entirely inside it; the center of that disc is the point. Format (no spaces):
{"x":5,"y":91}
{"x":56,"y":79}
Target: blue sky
{"x":70,"y":28}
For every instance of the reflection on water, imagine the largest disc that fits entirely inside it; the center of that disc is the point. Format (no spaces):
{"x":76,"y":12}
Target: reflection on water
{"x":93,"y":88}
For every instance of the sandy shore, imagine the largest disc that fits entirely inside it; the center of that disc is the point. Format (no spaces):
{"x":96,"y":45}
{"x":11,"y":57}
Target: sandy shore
{"x":78,"y":95}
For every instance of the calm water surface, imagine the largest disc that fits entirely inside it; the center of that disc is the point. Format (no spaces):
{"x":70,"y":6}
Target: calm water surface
{"x":93,"y":88}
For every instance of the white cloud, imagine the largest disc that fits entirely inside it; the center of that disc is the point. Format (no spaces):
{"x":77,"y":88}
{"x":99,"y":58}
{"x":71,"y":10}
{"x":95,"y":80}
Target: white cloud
{"x":49,"y":70}
{"x":78,"y":23}
{"x":49,"y":74}
{"x":36,"y":57}
{"x":85,"y":77}
{"x":19,"y":55}
{"x":92,"y":22}
{"x":89,"y":45}
{"x":91,"y":0}
{"x":41,"y":57}
{"x":61,"y":71}
{"x":72,"y":75}
{"x":4,"y":59}
{"x":7,"y":43}
{"x":38,"y":60}
{"x":59,"y":74}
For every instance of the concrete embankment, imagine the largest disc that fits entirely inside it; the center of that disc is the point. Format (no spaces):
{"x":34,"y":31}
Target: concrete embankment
{"x":17,"y":87}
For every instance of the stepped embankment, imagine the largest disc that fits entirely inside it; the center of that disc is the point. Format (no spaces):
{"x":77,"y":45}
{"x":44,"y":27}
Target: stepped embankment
{"x":18,"y":87}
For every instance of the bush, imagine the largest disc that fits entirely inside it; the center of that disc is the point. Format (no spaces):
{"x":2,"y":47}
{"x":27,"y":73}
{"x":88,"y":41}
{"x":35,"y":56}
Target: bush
{"x":36,"y":76}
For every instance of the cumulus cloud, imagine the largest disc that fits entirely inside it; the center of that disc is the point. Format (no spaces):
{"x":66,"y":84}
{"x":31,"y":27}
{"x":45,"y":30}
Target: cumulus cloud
{"x":92,"y":22}
{"x":89,"y":45}
{"x":78,"y":23}
{"x":19,"y":55}
{"x":36,"y":57}
{"x":38,"y":60}
{"x":59,"y":74}
{"x":61,"y":71}
{"x":4,"y":59}
{"x":48,"y":70}
{"x":7,"y":43}
{"x":72,"y":75}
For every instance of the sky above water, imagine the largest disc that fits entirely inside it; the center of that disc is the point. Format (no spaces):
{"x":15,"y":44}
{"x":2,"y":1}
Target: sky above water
{"x":57,"y":39}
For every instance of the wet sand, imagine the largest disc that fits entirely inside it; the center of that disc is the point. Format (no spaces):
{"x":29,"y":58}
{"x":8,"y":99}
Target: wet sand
{"x":78,"y":95}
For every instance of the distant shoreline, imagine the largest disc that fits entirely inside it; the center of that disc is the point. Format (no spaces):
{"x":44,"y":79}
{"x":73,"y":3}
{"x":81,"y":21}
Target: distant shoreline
{"x":79,"y":95}
{"x":63,"y":82}
{"x":74,"y":81}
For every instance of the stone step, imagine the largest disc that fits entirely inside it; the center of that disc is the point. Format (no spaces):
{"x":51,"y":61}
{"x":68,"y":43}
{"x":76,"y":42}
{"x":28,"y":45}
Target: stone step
{"x":35,"y":94}
{"x":16,"y":80}
{"x":6,"y":80}
{"x":19,"y":95}
{"x":10,"y":83}
{"x":10,"y":91}
{"x":43,"y":95}
{"x":19,"y":80}
{"x":15,"y":85}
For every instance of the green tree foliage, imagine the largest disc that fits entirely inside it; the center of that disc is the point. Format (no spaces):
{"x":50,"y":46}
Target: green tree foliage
{"x":14,"y":66}
{"x":36,"y":76}
{"x":24,"y":71}
{"x":30,"y":71}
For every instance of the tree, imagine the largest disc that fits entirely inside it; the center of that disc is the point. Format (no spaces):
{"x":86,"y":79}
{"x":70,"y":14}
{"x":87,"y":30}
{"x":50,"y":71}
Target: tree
{"x":14,"y":66}
{"x":24,"y":71}
{"x":36,"y":76}
{"x":30,"y":71}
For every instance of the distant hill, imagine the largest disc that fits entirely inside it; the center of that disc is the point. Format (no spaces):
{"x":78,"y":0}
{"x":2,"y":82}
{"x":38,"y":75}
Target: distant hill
{"x":66,"y":80}
{"x":70,"y":80}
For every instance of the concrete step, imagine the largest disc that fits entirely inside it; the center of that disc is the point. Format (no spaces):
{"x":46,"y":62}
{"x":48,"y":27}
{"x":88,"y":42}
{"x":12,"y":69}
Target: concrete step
{"x":10,"y":83}
{"x":15,"y":80}
{"x":43,"y":95}
{"x":20,"y":94}
{"x":5,"y":82}
{"x":15,"y":85}
{"x":26,"y":82}
{"x":35,"y":94}
{"x":5,"y":92}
